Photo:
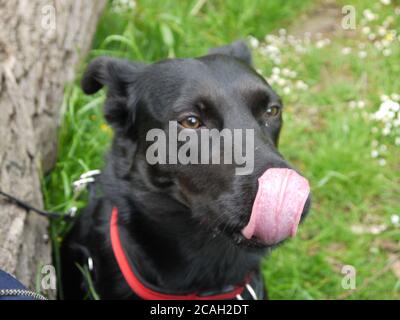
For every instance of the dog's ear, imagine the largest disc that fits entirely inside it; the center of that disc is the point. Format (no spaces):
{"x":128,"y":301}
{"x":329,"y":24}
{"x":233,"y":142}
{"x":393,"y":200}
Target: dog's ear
{"x":114,"y":73}
{"x":237,"y":49}
{"x":118,"y":76}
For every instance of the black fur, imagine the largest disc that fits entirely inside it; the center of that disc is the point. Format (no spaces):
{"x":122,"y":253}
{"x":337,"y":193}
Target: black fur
{"x":179,"y":224}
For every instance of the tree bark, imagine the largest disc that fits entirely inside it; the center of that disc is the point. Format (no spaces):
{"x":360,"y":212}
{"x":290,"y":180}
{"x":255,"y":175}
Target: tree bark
{"x":41,"y":43}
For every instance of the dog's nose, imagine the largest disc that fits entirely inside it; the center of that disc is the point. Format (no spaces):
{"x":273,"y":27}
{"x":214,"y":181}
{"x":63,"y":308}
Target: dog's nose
{"x":269,"y":158}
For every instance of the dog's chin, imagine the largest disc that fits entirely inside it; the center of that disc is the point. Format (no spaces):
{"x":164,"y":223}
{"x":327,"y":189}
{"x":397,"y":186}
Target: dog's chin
{"x":242,"y":242}
{"x":238,"y":239}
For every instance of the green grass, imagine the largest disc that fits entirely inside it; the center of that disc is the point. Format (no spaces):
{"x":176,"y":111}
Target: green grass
{"x":322,"y":136}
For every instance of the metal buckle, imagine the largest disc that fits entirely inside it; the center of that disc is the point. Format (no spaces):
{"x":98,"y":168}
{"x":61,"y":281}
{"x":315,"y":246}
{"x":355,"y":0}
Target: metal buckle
{"x":85,"y":179}
{"x":251,"y":291}
{"x":90,"y":263}
{"x":72,"y":212}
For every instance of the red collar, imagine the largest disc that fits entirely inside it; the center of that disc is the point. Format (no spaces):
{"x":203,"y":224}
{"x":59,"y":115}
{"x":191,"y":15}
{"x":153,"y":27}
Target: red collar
{"x":143,"y":290}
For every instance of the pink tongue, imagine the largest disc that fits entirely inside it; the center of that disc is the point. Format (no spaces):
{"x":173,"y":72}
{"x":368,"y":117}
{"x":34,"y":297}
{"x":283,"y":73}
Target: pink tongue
{"x":277,"y":208}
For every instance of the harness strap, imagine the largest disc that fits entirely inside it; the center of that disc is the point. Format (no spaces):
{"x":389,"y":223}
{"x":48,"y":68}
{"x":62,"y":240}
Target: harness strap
{"x":146,"y":293}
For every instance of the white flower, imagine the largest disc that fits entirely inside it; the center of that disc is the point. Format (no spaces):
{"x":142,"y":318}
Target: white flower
{"x":286,"y":90}
{"x":292,"y":40}
{"x":382,"y":162}
{"x":275,"y":77}
{"x":254,"y":43}
{"x":386,"y":131}
{"x":322,"y":43}
{"x":383,"y":148}
{"x":270,"y":50}
{"x":277,"y":60}
{"x":122,"y":5}
{"x":395,"y":107}
{"x":352,"y":104}
{"x":387,"y":52}
{"x":385,"y":2}
{"x":360,"y":104}
{"x":374,"y":143}
{"x":395,"y":97}
{"x":361,"y":46}
{"x":276,"y":70}
{"x":369,"y":15}
{"x":281,"y":82}
{"x":300,"y":49}
{"x":372,"y":36}
{"x":390,"y":105}
{"x":269,"y":38}
{"x":388,"y":21}
{"x":301,"y":85}
{"x":374,"y":153}
{"x":397,"y":141}
{"x":286,"y":72}
{"x":362,"y":54}
{"x":319,"y":44}
{"x":378,"y":45}
{"x":357,"y":104}
{"x":346,"y":51}
{"x":386,"y":113}
{"x":395,"y":219}
{"x":385,"y":43}
{"x":382,"y":31}
{"x":384,"y":97}
{"x":366,"y":30}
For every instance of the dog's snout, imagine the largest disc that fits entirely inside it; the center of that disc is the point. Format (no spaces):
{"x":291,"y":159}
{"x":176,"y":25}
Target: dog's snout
{"x":268,"y":157}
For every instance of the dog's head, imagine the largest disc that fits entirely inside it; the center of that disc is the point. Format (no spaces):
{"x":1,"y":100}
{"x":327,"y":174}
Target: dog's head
{"x":218,"y":91}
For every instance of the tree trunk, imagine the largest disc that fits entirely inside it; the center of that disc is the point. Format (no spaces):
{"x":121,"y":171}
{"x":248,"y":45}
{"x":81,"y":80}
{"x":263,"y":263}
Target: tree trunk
{"x":41,"y":42}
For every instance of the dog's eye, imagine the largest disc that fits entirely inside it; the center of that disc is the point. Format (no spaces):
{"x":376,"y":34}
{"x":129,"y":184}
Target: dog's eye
{"x":272,"y":111}
{"x":191,"y":122}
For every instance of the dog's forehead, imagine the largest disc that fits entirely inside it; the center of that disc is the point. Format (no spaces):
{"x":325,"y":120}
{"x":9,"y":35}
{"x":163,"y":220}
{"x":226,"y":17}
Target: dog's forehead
{"x":178,"y":83}
{"x":212,"y":70}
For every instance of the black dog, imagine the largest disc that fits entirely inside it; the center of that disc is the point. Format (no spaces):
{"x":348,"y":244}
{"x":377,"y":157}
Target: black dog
{"x":179,"y":226}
